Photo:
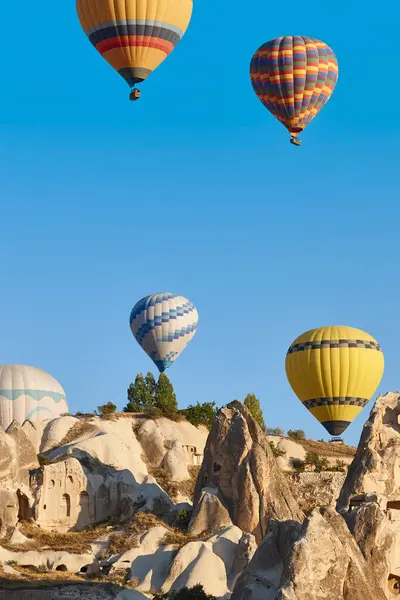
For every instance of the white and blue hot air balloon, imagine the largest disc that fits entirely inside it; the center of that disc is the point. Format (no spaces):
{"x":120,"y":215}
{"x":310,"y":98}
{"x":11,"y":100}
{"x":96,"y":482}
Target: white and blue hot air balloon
{"x":28,"y":393}
{"x":163,"y":324}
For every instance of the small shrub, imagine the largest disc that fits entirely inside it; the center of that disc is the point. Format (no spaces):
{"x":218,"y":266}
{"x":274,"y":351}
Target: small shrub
{"x":319,"y":463}
{"x":43,"y":460}
{"x":195,"y":593}
{"x":107,"y":409}
{"x":298,"y":465}
{"x":339,"y":467}
{"x":276,"y":451}
{"x":183,"y":519}
{"x":296,"y":434}
{"x":278,"y":431}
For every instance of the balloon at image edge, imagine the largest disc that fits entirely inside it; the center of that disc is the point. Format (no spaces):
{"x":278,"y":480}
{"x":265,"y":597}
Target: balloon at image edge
{"x":163,"y":324}
{"x":294,"y":77}
{"x":334,"y":371}
{"x":134,"y":36}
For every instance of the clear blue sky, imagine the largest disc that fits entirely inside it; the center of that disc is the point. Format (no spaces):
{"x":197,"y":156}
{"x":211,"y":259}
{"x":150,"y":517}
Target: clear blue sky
{"x":196,"y":190}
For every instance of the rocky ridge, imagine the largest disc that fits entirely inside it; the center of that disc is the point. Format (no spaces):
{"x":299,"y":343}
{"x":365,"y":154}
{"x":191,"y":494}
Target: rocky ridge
{"x":246,"y":534}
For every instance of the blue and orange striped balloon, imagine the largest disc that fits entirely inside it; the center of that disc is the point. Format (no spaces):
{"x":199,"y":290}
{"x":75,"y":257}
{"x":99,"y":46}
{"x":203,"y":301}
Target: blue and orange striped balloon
{"x":134,"y":36}
{"x":294,"y":77}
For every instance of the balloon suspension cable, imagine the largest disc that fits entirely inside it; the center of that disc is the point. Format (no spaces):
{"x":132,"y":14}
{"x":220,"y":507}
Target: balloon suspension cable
{"x":135,"y":94}
{"x":295,"y":141}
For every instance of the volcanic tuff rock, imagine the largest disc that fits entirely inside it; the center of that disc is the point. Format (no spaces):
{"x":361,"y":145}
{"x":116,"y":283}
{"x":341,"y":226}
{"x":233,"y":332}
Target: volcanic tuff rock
{"x":318,"y":560}
{"x":209,"y":514}
{"x":174,"y":463}
{"x":238,"y":461}
{"x":370,"y":497}
{"x":376,"y":466}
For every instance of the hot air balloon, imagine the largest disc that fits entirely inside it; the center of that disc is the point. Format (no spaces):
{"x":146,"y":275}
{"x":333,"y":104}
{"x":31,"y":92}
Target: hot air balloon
{"x":163,"y":324}
{"x":334,"y":371}
{"x":28,"y":393}
{"x":294,"y":76}
{"x":134,"y":36}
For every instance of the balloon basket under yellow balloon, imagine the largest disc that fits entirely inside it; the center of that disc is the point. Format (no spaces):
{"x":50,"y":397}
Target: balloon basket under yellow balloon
{"x":135,"y":94}
{"x":295,"y":141}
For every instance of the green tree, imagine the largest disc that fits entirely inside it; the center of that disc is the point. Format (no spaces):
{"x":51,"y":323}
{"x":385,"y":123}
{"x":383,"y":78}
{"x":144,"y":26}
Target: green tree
{"x":200,"y":414}
{"x":141,"y":394}
{"x":106,"y":409}
{"x":253,"y":404}
{"x":164,"y":397}
{"x":296,"y":434}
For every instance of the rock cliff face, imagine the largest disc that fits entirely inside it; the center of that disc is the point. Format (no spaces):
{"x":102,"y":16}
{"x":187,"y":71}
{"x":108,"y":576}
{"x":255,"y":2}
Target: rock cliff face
{"x":318,"y":560}
{"x":370,"y":497}
{"x":375,"y":471}
{"x":239,"y":464}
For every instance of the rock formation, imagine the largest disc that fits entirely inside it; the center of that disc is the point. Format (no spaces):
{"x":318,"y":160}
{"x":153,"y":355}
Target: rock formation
{"x":370,"y":497}
{"x":212,"y":561}
{"x":318,"y":560}
{"x":239,"y":463}
{"x":209,"y":514}
{"x":375,"y":470}
{"x":94,"y":470}
{"x":174,"y":463}
{"x":316,"y":489}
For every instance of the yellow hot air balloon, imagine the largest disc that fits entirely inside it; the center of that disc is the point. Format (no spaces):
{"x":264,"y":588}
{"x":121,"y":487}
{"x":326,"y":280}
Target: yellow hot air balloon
{"x":334,"y":371}
{"x":134,"y":36}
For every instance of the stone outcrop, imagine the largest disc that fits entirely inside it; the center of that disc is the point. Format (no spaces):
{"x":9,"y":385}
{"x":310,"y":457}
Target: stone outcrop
{"x":239,"y":463}
{"x":8,"y":510}
{"x":55,"y":431}
{"x":370,"y":497}
{"x":213,"y":562}
{"x":209,"y":514}
{"x":316,"y":489}
{"x":375,"y":471}
{"x":152,"y":442}
{"x":75,"y":493}
{"x":318,"y":560}
{"x":174,"y":463}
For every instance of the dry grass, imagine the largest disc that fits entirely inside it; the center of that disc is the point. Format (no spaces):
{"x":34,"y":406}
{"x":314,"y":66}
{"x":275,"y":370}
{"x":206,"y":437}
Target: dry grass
{"x":327,"y":449}
{"x":121,"y":541}
{"x":42,"y":576}
{"x":77,"y":430}
{"x":185,"y":488}
{"x":179,"y":538}
{"x":74,"y":542}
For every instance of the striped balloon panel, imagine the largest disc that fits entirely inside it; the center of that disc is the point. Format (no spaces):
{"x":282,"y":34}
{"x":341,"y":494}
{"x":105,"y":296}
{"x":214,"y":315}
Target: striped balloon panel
{"x":163,"y":324}
{"x":294,"y":77}
{"x":134,"y":36}
{"x":334,"y":371}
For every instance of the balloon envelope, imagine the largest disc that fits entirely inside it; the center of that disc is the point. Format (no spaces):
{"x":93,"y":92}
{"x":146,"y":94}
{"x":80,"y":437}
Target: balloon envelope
{"x":134,"y":36}
{"x":334,"y":371}
{"x":294,"y":77}
{"x":163,"y":324}
{"x":28,"y":393}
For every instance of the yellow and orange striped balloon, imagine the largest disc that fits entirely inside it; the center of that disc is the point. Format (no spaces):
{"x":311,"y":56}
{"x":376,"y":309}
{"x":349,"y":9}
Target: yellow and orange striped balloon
{"x":134,"y":36}
{"x":294,"y":77}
